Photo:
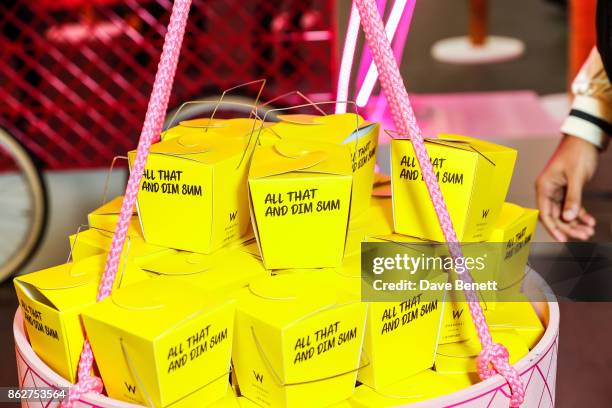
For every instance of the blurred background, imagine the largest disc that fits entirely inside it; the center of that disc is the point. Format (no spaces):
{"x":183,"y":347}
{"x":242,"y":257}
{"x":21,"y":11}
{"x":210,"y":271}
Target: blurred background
{"x":75,"y":76}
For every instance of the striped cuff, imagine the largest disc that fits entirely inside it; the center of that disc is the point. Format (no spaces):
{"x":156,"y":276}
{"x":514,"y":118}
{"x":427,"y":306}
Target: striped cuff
{"x":590,"y":119}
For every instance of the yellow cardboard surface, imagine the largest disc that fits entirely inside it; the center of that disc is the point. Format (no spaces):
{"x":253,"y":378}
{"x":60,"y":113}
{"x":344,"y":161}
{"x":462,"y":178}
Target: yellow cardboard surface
{"x":105,"y":217}
{"x":515,"y":227}
{"x":295,"y":345}
{"x":457,"y":324}
{"x":419,"y":387}
{"x":215,"y":128}
{"x":160,"y":343}
{"x":463,"y":380}
{"x":230,"y":400}
{"x":400,"y":341}
{"x":96,"y":241}
{"x":474,"y":177}
{"x":193,"y":195}
{"x":51,"y":301}
{"x":377,"y":220}
{"x":224,"y":271}
{"x":382,"y":185}
{"x":250,"y":247}
{"x":246,"y":403}
{"x":460,"y":357}
{"x":411,"y":325}
{"x":300,"y":194}
{"x":346,"y":129}
{"x":519,"y":316}
{"x":345,"y":280}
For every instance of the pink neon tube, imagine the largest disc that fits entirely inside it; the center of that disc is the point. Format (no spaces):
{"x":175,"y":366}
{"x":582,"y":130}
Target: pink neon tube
{"x":395,"y":17}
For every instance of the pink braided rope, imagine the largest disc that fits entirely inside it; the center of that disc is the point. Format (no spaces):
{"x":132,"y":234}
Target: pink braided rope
{"x":153,"y":123}
{"x":493,"y":358}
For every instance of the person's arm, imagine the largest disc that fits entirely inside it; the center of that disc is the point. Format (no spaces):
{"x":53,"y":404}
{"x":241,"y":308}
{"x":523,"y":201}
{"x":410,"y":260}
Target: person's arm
{"x":591,"y":115}
{"x":586,"y":131}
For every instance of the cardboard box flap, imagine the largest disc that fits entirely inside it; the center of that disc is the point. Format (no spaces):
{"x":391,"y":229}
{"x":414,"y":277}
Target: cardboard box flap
{"x":377,"y":219}
{"x":157,"y":305}
{"x":251,"y":247}
{"x":405,"y":241}
{"x":424,"y":385}
{"x":300,"y":156}
{"x":515,"y":315}
{"x":206,"y":127}
{"x":299,"y":119}
{"x":65,"y":286}
{"x":464,"y":143}
{"x":359,"y":133}
{"x":107,"y":223}
{"x":111,"y":207}
{"x":382,"y":186}
{"x":511,"y":214}
{"x":287,"y":298}
{"x":236,"y":124}
{"x":470,"y":348}
{"x":182,"y":263}
{"x":206,"y":123}
{"x":351,"y":267}
{"x":481,"y":145}
{"x":201,"y":149}
{"x":337,"y":128}
{"x":354,"y":237}
{"x":135,"y":247}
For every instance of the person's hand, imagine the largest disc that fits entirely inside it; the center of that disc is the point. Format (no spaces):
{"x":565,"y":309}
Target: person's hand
{"x":559,"y":190}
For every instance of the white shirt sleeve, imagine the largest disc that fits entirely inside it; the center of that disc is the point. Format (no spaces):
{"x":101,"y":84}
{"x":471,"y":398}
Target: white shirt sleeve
{"x":591,"y":115}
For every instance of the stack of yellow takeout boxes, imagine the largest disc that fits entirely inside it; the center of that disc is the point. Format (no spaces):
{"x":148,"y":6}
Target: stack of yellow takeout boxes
{"x":240,"y":283}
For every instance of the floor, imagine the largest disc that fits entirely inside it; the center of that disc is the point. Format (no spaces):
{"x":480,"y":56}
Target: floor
{"x":584,"y":355}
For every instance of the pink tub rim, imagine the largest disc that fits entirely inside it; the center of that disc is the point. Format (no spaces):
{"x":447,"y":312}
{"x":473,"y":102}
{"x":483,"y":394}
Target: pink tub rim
{"x":548,"y":311}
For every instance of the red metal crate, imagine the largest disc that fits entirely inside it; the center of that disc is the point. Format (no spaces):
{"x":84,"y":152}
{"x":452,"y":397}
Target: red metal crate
{"x":75,"y":75}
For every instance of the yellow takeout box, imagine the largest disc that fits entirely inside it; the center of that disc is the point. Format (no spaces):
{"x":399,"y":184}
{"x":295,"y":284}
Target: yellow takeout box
{"x":51,"y":301}
{"x":300,"y":194}
{"x":345,"y":129}
{"x":418,"y":387}
{"x":400,"y":340}
{"x":401,"y":336}
{"x":193,"y":195}
{"x":460,"y":357}
{"x":295,"y":345}
{"x":224,"y":271}
{"x":512,"y":238}
{"x":519,"y":316}
{"x":161,"y":343}
{"x":474,"y":177}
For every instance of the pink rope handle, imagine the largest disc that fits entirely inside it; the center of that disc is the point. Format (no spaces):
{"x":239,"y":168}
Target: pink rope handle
{"x":493,"y":358}
{"x":152,"y":127}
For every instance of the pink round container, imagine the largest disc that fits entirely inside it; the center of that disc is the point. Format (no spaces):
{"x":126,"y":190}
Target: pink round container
{"x":538,"y":370}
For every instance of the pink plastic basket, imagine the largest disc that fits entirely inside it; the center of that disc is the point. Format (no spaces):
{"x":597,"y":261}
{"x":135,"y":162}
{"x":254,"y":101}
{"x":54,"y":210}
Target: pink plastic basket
{"x":538,"y":370}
